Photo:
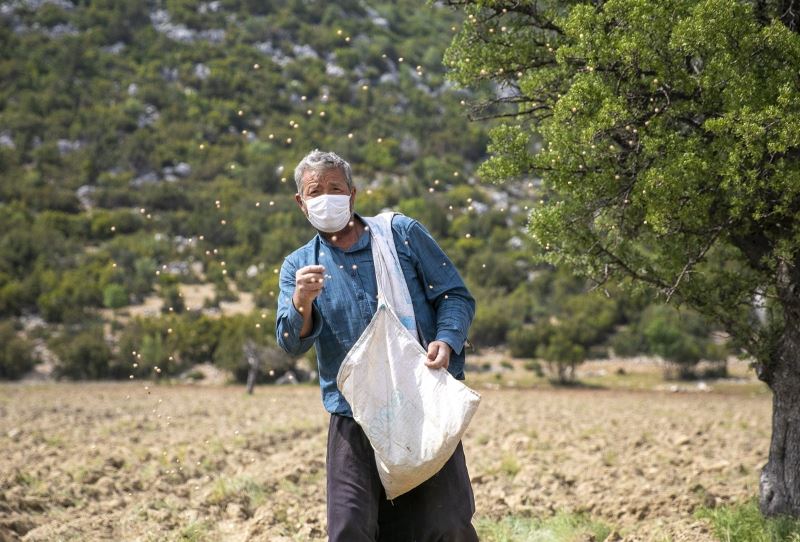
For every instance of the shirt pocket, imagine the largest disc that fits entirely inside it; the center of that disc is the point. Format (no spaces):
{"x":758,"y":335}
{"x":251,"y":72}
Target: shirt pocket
{"x":339,"y":318}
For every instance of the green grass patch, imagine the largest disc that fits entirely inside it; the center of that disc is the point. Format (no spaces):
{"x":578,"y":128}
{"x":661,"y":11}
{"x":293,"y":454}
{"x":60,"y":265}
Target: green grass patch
{"x":562,"y":527}
{"x":243,"y":490}
{"x":743,"y":522}
{"x":197,"y":531}
{"x":510,"y":465}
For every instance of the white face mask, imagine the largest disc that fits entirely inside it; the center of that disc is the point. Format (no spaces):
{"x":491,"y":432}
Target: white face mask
{"x":328,"y":213}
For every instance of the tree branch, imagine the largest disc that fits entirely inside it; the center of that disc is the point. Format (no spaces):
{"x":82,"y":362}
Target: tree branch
{"x":696,"y":259}
{"x":529,"y":111}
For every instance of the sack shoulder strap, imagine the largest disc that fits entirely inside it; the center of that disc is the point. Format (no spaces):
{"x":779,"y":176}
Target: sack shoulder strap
{"x":382,"y":222}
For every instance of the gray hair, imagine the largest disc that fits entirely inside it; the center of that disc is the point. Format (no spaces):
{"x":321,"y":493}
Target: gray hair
{"x":318,"y":161}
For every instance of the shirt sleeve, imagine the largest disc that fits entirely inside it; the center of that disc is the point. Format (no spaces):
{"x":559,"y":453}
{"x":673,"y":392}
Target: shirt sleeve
{"x":289,"y":321}
{"x":444,"y":288}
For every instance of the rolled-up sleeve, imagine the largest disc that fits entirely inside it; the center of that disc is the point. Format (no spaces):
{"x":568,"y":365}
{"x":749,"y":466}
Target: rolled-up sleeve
{"x":444,"y":288}
{"x":289,"y":321}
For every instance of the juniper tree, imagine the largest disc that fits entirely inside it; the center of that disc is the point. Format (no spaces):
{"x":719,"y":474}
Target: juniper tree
{"x":667,"y":136}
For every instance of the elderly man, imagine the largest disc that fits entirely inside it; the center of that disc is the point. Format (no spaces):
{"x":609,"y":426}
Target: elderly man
{"x":328,"y":295}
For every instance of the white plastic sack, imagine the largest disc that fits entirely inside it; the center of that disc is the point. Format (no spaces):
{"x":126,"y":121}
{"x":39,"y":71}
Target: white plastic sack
{"x":412,"y":415}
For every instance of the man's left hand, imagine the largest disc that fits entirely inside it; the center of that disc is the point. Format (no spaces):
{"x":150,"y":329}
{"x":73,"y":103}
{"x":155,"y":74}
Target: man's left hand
{"x":438,"y":355}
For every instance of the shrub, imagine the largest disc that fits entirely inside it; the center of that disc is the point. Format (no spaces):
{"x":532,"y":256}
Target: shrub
{"x":534,"y":366}
{"x":522,"y":341}
{"x":12,"y":297}
{"x":628,"y":342}
{"x":501,"y":271}
{"x":16,"y":353}
{"x":194,"y":339}
{"x":681,"y":338}
{"x":496,"y":313}
{"x":65,"y":295}
{"x":115,"y":296}
{"x":240,"y":336}
{"x":153,"y":355}
{"x":84,"y":356}
{"x":584,"y":322}
{"x":563,"y":355}
{"x":173,"y":300}
{"x":105,"y":224}
{"x":491,"y":323}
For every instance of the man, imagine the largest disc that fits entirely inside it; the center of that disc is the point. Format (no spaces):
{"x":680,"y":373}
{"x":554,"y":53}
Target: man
{"x":328,"y":295}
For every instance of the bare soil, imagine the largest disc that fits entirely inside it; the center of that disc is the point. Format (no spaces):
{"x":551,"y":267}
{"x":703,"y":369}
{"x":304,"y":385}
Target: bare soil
{"x":146,"y":461}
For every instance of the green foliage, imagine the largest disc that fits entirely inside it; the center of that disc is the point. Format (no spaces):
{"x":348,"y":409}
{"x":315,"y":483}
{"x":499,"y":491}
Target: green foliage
{"x":562,"y":354}
{"x":65,"y":296}
{"x":495,"y":315}
{"x":118,"y":140}
{"x":682,"y":338}
{"x":173,"y":300}
{"x":534,"y":366}
{"x":172,"y":343}
{"x":522,"y":341}
{"x":16,"y":353}
{"x":168,"y":345}
{"x":627,"y":342}
{"x":127,"y":161}
{"x":115,"y":296}
{"x":743,"y":522}
{"x":679,"y":337}
{"x":666,"y":137}
{"x":584,"y":320}
{"x":241,"y":330}
{"x":105,"y":224}
{"x":153,"y":354}
{"x":13,"y":297}
{"x":84,"y":355}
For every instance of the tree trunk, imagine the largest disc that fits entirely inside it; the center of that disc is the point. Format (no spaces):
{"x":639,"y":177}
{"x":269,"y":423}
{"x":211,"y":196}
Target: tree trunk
{"x":780,"y":477}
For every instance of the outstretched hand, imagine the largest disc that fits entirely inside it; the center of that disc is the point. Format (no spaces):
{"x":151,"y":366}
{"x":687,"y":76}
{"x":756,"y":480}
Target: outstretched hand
{"x":438,"y":355}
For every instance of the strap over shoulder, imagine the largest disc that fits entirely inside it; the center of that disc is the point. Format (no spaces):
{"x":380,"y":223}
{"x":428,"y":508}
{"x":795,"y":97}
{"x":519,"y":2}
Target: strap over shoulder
{"x":382,"y":222}
{"x":389,"y":276}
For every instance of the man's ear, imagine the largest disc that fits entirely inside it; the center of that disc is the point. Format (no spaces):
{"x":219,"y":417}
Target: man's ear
{"x":299,"y":201}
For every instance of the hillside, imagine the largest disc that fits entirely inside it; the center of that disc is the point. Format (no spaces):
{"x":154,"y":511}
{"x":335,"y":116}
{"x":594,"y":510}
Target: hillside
{"x":146,"y":177}
{"x":145,"y":147}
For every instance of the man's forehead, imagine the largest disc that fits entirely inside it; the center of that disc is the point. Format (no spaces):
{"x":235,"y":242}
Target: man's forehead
{"x":332,"y":175}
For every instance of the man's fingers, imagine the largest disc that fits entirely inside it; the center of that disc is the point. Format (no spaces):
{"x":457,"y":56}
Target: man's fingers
{"x":310,"y":277}
{"x":310,"y":280}
{"x":436,"y":364}
{"x":311,"y":285}
{"x":437,"y":356}
{"x":310,"y":270}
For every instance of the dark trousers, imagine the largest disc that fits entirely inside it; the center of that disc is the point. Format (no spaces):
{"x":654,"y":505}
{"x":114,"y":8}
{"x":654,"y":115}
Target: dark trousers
{"x":438,"y":510}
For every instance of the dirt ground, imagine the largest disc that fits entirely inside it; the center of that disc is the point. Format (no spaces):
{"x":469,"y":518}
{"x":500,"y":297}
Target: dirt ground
{"x":145,"y":461}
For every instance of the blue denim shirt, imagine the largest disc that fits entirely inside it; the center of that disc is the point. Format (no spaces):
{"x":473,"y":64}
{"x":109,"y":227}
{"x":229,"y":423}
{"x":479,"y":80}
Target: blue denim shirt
{"x":443,"y":307}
